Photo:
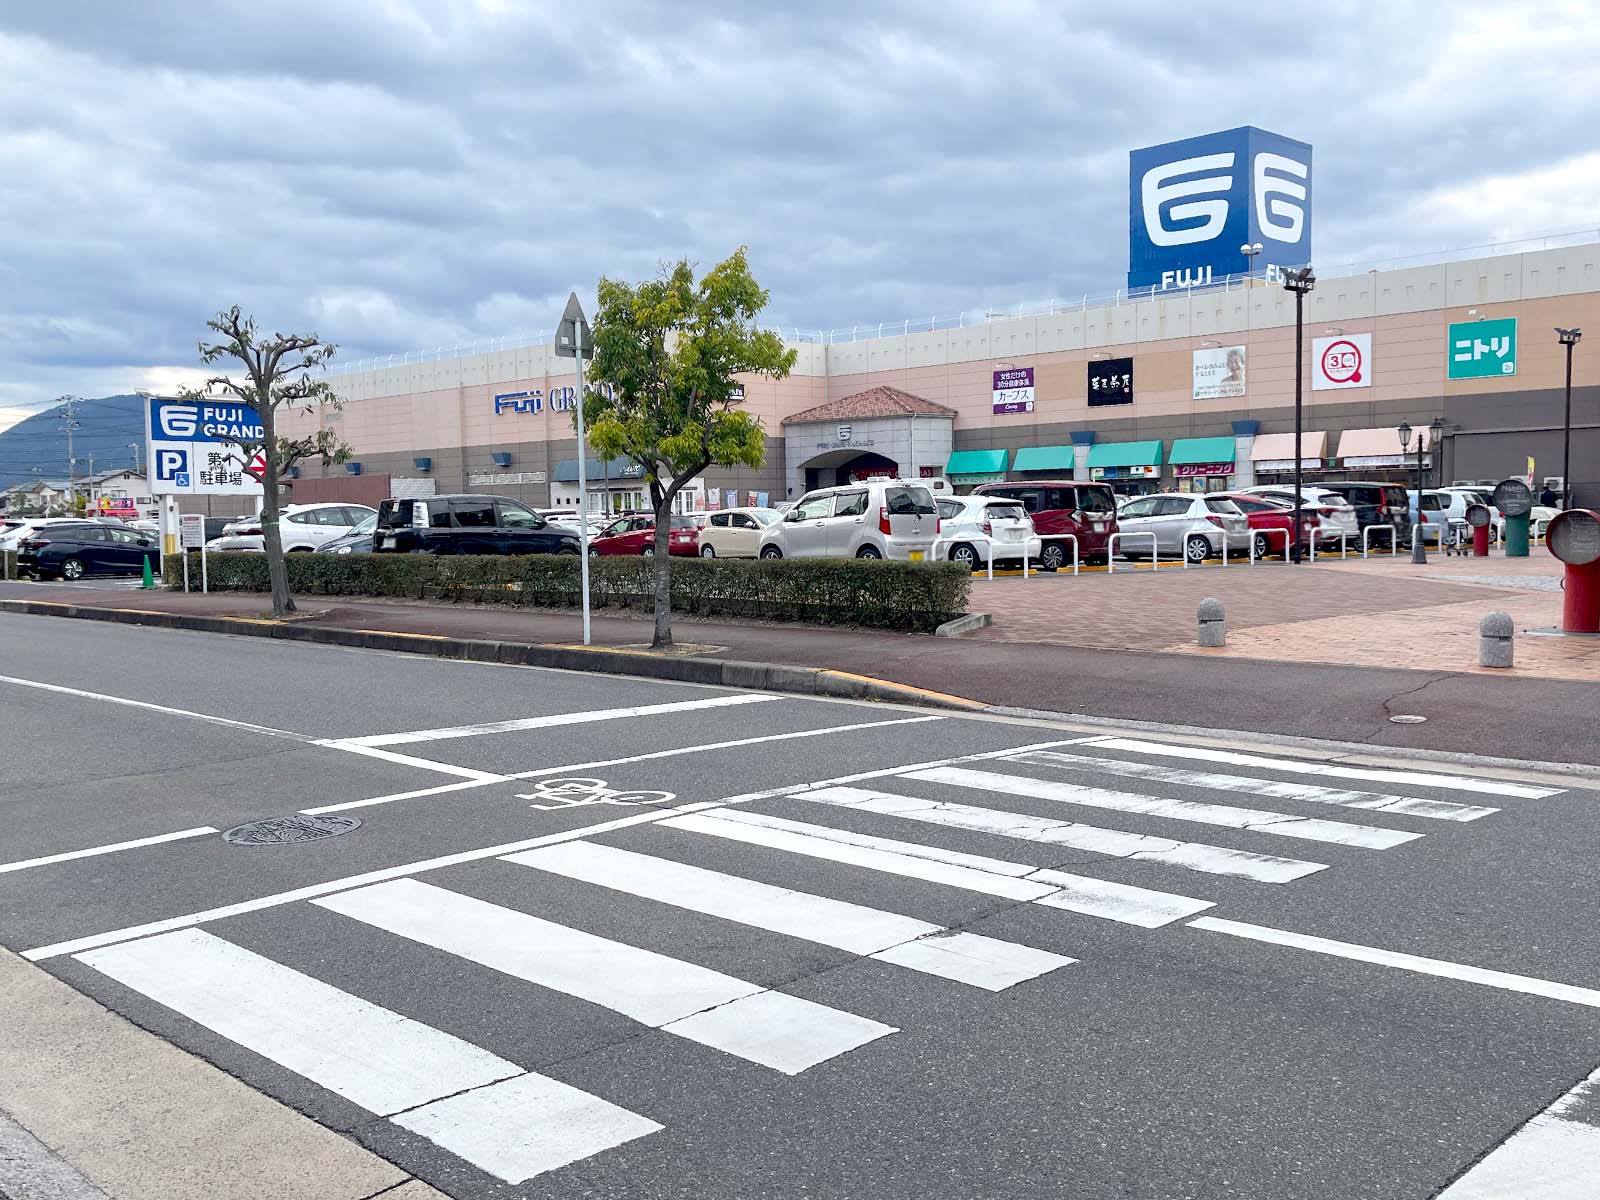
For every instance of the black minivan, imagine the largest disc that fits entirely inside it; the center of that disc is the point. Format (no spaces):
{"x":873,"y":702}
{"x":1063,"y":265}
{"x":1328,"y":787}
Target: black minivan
{"x":1376,"y":503}
{"x":467,"y":524}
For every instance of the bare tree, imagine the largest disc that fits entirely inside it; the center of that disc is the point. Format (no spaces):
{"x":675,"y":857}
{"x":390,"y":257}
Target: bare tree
{"x":284,"y":376}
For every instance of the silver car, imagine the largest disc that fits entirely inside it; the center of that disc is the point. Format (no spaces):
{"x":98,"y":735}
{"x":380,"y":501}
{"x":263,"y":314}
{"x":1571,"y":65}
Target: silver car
{"x":1192,"y":525}
{"x":880,"y":518}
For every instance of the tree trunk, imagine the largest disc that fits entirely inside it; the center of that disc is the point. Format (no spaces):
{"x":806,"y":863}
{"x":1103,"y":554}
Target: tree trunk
{"x":662,"y":500}
{"x":271,"y":537}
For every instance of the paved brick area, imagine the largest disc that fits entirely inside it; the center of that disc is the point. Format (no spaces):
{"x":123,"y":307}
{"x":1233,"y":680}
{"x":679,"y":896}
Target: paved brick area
{"x":1381,"y":612}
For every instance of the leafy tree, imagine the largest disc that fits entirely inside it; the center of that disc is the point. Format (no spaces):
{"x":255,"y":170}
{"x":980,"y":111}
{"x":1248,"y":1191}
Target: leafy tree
{"x":282,"y":372}
{"x":670,"y":348}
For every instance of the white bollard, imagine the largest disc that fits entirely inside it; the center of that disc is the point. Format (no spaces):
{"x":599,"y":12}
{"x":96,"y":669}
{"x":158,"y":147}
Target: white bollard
{"x":1213,"y":624}
{"x":1496,"y":635}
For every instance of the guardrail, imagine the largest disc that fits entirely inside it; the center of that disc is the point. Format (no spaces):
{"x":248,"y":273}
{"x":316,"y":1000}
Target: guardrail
{"x":1344,"y":545}
{"x":1267,"y":533}
{"x":1111,"y":549}
{"x":1366,"y":538}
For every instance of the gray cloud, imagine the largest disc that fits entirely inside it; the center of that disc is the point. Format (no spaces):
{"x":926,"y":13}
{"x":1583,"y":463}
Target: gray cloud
{"x":400,"y":175}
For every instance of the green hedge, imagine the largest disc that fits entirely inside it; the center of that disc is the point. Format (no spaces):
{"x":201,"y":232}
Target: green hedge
{"x":825,"y":591}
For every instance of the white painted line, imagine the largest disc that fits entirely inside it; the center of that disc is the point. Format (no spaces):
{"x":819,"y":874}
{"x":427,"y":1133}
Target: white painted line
{"x":525,"y":1126}
{"x":247,"y":726}
{"x":1339,"y":833}
{"x":1192,"y":856}
{"x":379,"y":1059}
{"x":993,"y":877}
{"x":1300,"y":766}
{"x":554,"y":720}
{"x":185,"y":921}
{"x":1552,"y":1157}
{"x":200,"y":831}
{"x":965,"y":957}
{"x":1410,"y":806}
{"x":1406,"y":962}
{"x":415,"y":794}
{"x":421,"y":764}
{"x":654,"y":989}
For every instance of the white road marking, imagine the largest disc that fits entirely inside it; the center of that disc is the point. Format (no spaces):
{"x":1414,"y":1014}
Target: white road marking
{"x":1411,"y":806}
{"x":992,"y":877}
{"x":69,"y":855}
{"x":247,"y":726}
{"x":1406,"y":962}
{"x":525,"y":1126}
{"x":1192,"y":856}
{"x":381,"y":1060}
{"x":1300,"y":766}
{"x":552,"y":720}
{"x":414,"y":794}
{"x":774,"y":1029}
{"x":1257,"y":820}
{"x":964,"y":957}
{"x":1552,"y":1157}
{"x":187,"y":920}
{"x":421,"y":764}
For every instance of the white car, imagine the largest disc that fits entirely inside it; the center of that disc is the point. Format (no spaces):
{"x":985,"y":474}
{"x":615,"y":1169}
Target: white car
{"x":974,"y":529}
{"x":736,"y":532}
{"x":1335,"y":515}
{"x":1186,"y":523}
{"x":879,"y":518}
{"x":302,"y":527}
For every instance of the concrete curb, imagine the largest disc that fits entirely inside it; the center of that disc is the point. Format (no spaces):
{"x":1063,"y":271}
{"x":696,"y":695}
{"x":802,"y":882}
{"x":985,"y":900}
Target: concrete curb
{"x":966,"y":624}
{"x":714,"y":672}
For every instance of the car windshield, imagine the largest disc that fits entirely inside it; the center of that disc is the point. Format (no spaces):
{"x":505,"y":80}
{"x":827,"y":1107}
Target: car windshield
{"x":766,"y":516}
{"x":1218,"y":505}
{"x":367,"y":524}
{"x":685,"y":523}
{"x":1005,"y":512}
{"x":1093,"y":499}
{"x":907,"y":501}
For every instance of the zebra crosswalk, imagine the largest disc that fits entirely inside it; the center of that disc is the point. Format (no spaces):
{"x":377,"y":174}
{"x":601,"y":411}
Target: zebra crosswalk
{"x":989,"y":826}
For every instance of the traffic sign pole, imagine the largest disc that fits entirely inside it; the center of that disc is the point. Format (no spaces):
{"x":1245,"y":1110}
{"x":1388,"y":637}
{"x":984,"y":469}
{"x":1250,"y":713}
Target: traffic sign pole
{"x":574,"y":341}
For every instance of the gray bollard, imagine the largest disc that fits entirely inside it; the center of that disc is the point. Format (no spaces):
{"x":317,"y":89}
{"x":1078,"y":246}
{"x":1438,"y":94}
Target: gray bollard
{"x":1495,"y":633}
{"x":1213,"y":629}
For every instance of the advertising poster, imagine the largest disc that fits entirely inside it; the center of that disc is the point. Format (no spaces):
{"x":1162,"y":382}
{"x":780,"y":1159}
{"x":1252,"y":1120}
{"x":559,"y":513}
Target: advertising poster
{"x":1483,"y":349}
{"x":1013,"y":390}
{"x":1110,"y":381}
{"x":713,"y":497}
{"x":1344,"y":361}
{"x":1219,"y":372}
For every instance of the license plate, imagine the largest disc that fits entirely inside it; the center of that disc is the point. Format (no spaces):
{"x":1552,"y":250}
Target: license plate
{"x":915,"y":556}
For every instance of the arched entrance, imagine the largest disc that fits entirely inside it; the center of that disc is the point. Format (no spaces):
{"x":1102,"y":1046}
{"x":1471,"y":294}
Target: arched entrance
{"x":847,"y":466}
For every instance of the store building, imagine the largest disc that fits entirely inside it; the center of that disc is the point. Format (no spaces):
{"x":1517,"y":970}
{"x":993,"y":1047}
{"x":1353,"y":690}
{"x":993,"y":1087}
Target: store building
{"x":1191,"y":390}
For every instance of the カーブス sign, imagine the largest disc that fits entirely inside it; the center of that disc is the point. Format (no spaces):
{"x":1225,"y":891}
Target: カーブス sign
{"x":1482,"y":349}
{"x":1013,"y":390}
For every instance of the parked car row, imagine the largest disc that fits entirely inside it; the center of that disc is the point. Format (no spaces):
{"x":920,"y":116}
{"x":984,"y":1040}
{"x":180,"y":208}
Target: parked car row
{"x":72,"y":549}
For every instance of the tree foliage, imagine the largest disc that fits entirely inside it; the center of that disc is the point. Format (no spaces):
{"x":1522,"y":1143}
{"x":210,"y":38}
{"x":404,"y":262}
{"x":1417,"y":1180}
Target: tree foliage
{"x":671,"y":350}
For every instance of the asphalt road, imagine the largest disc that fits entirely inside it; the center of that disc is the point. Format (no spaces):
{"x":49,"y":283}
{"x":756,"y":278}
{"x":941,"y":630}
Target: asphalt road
{"x":657,"y":984}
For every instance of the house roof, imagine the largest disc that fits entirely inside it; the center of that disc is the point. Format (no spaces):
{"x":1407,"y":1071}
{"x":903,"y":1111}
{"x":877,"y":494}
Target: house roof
{"x":881,"y":401}
{"x":114,"y":473}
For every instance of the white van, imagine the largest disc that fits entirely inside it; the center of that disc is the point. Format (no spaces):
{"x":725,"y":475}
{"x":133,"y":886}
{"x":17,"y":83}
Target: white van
{"x":881,"y":518}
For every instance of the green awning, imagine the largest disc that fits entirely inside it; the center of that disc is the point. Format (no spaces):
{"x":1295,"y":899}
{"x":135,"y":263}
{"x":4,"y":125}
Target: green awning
{"x":976,"y":462}
{"x":1201,"y":450}
{"x":1044,"y":458}
{"x":1126,"y":454}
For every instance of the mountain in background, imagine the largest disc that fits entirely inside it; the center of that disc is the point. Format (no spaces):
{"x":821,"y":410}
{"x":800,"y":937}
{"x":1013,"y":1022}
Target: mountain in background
{"x":106,"y":427}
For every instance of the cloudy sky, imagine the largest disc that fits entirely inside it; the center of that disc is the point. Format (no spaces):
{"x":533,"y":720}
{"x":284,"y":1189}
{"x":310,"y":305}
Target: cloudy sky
{"x":406,"y":173}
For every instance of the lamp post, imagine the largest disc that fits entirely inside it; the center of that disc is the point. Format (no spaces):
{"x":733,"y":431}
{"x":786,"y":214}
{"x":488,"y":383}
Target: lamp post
{"x":1436,"y":444}
{"x":1419,"y":551}
{"x":1300,"y":281}
{"x":1568,"y":338}
{"x":1249,"y":250}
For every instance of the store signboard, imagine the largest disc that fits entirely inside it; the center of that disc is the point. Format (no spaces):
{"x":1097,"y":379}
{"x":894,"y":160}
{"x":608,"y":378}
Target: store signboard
{"x":1110,"y":381}
{"x":1483,"y":349}
{"x":197,"y":448}
{"x":1013,"y":390}
{"x":1219,"y":372}
{"x":1150,"y":471}
{"x":1343,"y":361}
{"x":1198,"y":470}
{"x":1286,"y":464}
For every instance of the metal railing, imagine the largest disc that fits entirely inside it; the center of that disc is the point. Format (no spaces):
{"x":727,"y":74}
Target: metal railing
{"x":1366,"y":538}
{"x":1111,"y":549}
{"x":1267,"y":533}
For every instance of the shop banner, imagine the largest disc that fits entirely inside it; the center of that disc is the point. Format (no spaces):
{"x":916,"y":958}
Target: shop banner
{"x":1110,"y":381}
{"x":1341,"y":362}
{"x":1013,"y":390}
{"x":1219,"y":372}
{"x":713,"y":497}
{"x":1483,"y":349}
{"x":1187,"y":470}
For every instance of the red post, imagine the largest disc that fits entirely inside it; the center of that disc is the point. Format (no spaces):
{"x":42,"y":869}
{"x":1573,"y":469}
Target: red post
{"x":1480,"y":542}
{"x":1574,"y":537}
{"x":1580,"y":605}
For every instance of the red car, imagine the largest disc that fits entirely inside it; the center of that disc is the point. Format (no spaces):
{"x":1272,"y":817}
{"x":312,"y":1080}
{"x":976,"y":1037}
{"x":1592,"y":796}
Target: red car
{"x":1086,"y":511}
{"x":1264,"y":515}
{"x":636,"y":534}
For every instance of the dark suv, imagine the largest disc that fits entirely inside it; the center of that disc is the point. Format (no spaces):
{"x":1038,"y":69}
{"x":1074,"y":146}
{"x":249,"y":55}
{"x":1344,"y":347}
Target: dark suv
{"x":1377,"y":504}
{"x":467,"y":525}
{"x":1087,"y":511}
{"x":87,"y":548}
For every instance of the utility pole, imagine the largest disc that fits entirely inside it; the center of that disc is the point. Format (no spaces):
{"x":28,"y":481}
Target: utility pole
{"x":134,"y":446}
{"x":69,"y":422}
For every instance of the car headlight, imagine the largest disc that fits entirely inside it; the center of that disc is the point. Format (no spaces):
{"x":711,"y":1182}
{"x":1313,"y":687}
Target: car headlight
{"x":341,"y":549}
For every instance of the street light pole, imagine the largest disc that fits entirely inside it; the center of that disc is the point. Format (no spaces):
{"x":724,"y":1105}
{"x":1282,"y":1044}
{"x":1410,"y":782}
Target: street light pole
{"x":1568,"y":338}
{"x":1299,"y":281}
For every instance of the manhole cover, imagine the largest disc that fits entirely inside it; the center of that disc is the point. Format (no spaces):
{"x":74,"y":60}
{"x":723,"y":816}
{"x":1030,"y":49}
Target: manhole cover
{"x":1407,"y":719}
{"x":275,"y":831}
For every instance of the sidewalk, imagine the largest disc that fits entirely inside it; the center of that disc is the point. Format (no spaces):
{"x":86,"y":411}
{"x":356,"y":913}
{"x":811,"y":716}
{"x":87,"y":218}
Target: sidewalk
{"x":1120,"y":647}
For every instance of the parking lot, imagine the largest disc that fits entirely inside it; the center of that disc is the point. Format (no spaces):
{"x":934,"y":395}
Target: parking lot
{"x":602,"y":936}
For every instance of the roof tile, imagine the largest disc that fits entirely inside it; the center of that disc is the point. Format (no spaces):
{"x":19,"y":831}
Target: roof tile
{"x":881,"y":401}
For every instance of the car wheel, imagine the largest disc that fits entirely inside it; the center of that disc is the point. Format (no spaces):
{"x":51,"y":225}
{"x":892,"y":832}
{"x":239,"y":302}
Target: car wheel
{"x":1052,"y":557}
{"x":868,"y":552}
{"x":708,"y":551}
{"x":1263,"y":545}
{"x":1197,"y":549}
{"x":594,"y":552}
{"x":647,"y":551}
{"x":72,"y":568}
{"x":771,"y":552}
{"x":965,"y":555}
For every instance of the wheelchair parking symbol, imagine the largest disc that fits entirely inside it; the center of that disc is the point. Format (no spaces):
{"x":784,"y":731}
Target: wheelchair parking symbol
{"x":575,"y":793}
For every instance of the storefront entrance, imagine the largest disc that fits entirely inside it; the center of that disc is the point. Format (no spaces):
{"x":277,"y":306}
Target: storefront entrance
{"x":848,"y":466}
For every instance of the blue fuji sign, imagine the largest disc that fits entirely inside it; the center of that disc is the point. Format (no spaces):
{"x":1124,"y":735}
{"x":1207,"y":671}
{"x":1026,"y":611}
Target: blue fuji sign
{"x":1195,"y":203}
